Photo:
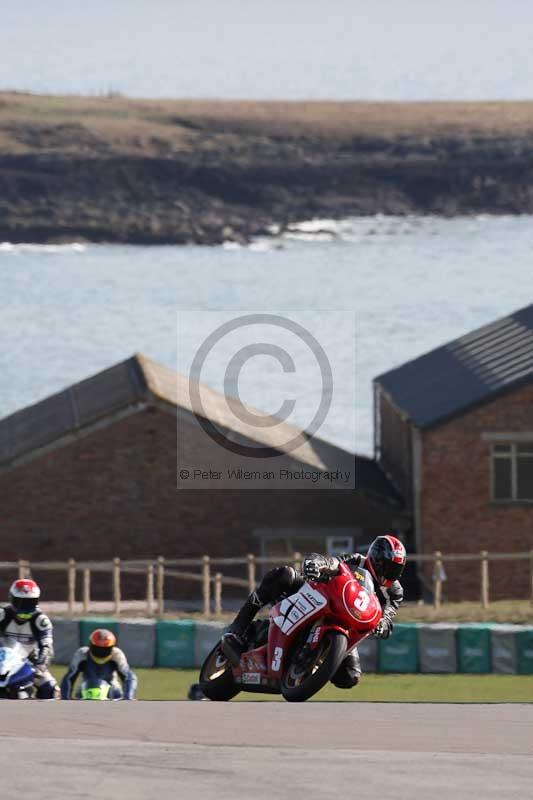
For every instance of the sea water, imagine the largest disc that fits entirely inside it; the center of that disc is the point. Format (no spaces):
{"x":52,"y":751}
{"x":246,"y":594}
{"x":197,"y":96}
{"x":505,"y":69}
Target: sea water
{"x":377,"y":291}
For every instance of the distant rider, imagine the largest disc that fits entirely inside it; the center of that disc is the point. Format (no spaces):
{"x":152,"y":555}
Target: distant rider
{"x":384,"y":560}
{"x":101,"y":660}
{"x":23,"y":621}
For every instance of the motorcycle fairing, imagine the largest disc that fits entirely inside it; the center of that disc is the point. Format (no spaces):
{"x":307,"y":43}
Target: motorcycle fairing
{"x":345,"y":604}
{"x":298,"y":608}
{"x":15,"y":670}
{"x":290,"y":616}
{"x":95,"y":691}
{"x":253,"y":672}
{"x":23,"y":676}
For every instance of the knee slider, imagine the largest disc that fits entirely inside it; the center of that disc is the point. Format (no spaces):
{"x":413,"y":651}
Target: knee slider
{"x":346,"y":681}
{"x":348,"y":674}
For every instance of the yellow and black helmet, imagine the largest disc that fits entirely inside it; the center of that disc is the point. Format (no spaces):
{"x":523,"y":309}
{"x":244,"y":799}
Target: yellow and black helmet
{"x":101,"y":644}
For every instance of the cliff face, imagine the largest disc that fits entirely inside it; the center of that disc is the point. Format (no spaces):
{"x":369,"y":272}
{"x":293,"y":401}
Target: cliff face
{"x":133,"y":171}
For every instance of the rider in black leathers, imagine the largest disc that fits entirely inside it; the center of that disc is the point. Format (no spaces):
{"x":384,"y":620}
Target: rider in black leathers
{"x":385,"y":561}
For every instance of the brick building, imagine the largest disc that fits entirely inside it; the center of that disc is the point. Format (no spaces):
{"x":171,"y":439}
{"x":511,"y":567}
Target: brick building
{"x":92,"y":472}
{"x":454,"y":432}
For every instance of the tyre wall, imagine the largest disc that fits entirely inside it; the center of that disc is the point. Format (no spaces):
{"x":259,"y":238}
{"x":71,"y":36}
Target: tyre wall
{"x":438,"y":648}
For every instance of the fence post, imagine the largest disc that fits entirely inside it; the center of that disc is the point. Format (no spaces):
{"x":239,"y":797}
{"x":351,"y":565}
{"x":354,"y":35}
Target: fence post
{"x":71,"y":579}
{"x":24,"y":568}
{"x":297,"y":560}
{"x":484,"y":579}
{"x":116,"y":585}
{"x":150,"y":589}
{"x":251,"y":572}
{"x":218,"y":594}
{"x":206,"y":574}
{"x":160,"y":586}
{"x":437,"y":580}
{"x":531,"y":573}
{"x":86,"y":590}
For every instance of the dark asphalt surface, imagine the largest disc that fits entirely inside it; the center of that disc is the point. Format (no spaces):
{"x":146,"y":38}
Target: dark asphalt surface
{"x":266,"y":750}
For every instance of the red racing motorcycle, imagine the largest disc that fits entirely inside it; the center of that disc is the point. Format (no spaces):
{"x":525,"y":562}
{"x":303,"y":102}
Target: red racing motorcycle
{"x":302,"y":644}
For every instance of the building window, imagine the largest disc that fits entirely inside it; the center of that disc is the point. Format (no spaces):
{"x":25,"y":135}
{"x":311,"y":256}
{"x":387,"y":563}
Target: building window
{"x":512,"y":472}
{"x":337,"y":545}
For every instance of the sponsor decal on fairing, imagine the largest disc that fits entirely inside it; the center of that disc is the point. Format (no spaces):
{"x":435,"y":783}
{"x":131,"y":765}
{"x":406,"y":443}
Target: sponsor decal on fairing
{"x":251,"y":677}
{"x":297,"y":608}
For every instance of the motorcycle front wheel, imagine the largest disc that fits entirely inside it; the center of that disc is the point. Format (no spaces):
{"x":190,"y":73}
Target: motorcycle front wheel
{"x":301,"y":681}
{"x":216,"y":678}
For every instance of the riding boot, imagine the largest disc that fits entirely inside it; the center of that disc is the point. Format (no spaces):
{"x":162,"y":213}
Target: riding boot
{"x":233,"y":642}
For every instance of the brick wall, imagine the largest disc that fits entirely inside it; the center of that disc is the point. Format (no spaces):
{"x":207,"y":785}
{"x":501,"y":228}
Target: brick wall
{"x":114,"y":493}
{"x":457,"y":514}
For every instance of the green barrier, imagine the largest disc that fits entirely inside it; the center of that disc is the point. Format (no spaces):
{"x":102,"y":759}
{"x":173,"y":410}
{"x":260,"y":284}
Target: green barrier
{"x":87,"y":626}
{"x":480,"y":647}
{"x":473,"y":649}
{"x":66,"y":639}
{"x":175,"y":643}
{"x":400,"y":652}
{"x":137,"y":639}
{"x":524,"y":652}
{"x":503,"y":648}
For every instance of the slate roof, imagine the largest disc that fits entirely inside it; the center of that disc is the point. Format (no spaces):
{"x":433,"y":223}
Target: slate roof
{"x":465,"y":372}
{"x":139,"y":382}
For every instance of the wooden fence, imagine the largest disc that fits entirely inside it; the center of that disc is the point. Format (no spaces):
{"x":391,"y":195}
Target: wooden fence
{"x":211,"y":579}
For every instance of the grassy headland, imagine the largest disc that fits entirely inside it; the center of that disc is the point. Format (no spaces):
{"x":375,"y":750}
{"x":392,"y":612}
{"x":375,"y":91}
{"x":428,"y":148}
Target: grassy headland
{"x":150,"y":171}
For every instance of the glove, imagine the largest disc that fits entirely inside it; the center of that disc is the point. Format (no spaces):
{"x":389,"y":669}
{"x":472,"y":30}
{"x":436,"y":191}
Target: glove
{"x":41,"y":656}
{"x":38,"y":659}
{"x":312,"y":567}
{"x":384,"y":628}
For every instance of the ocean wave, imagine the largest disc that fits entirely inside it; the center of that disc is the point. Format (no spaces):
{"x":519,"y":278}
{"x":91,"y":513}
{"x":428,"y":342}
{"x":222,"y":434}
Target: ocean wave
{"x":71,"y":247}
{"x":353,"y":229}
{"x":258,"y":245}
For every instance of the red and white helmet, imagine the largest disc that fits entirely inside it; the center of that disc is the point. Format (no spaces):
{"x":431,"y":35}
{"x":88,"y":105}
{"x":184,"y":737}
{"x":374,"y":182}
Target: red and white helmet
{"x":386,"y":559}
{"x":24,"y":595}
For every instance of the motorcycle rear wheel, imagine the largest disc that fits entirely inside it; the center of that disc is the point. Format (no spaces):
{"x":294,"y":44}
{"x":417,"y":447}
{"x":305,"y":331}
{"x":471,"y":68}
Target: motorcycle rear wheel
{"x":299,"y":683}
{"x":216,"y":678}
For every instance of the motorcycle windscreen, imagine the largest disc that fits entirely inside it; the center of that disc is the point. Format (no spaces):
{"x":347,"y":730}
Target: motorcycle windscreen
{"x":12,"y":661}
{"x":95,"y":692}
{"x":364,"y":579}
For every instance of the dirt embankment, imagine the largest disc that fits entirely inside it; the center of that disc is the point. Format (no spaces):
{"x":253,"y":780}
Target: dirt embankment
{"x":118,"y":170}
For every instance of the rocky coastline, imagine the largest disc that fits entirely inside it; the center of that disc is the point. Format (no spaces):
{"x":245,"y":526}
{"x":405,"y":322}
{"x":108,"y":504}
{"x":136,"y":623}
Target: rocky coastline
{"x":177,"y":172}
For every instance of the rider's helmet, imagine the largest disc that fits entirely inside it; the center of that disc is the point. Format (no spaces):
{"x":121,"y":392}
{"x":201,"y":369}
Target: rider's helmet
{"x":24,"y":596}
{"x":101,"y":644}
{"x":386,"y":559}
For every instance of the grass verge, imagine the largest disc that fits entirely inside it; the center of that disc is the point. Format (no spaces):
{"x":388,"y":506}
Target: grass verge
{"x":170,"y":684}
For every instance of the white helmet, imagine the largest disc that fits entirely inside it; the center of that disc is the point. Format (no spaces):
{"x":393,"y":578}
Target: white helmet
{"x":24,"y":595}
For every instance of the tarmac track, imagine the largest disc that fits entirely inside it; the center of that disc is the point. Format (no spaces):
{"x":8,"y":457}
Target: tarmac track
{"x":204,"y":751}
